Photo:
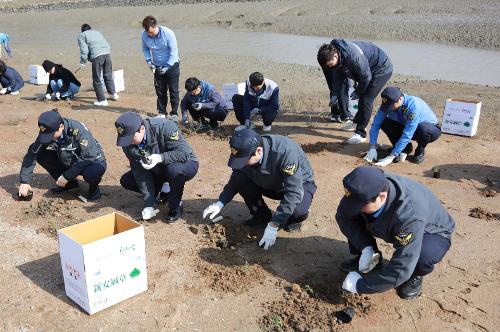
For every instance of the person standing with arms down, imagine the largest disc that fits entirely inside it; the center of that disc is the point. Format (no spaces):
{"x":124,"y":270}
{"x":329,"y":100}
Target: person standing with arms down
{"x":364,"y":63}
{"x":4,"y":40}
{"x":159,"y":46}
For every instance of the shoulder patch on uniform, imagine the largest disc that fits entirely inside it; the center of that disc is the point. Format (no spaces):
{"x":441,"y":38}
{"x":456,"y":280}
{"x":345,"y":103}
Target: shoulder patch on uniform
{"x":404,"y":109}
{"x":411,"y":116}
{"x":290,"y":169}
{"x":404,"y":237}
{"x":174,"y":135}
{"x":84,"y":142}
{"x":74,"y":131}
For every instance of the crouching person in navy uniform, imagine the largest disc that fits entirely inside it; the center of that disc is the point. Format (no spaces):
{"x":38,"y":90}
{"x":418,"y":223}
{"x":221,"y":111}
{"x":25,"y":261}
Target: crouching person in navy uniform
{"x":161,"y":161}
{"x":66,"y":149}
{"x":273,"y":166}
{"x":401,"y":212}
{"x":403,"y":118}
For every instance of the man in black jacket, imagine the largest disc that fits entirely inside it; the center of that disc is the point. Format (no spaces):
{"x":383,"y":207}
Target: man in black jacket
{"x":62,"y":83}
{"x":364,"y":63}
{"x":66,"y":149}
{"x":161,"y":160}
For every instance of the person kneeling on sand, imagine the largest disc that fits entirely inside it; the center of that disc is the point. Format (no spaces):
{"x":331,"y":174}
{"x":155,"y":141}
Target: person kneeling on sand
{"x":66,"y":149}
{"x":62,"y":83}
{"x":403,"y":118}
{"x":399,"y":211}
{"x":10,"y":79}
{"x":203,"y":102}
{"x":161,"y":161}
{"x":273,"y":166}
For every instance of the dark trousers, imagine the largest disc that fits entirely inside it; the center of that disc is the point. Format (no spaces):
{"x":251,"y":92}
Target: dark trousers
{"x":424,"y":134}
{"x":267,"y":117}
{"x":213,"y":115}
{"x":252,"y":195}
{"x":434,"y":247}
{"x":176,"y":174}
{"x":168,"y":82}
{"x":92,"y":174}
{"x":365,"y":103}
{"x":102,"y":69}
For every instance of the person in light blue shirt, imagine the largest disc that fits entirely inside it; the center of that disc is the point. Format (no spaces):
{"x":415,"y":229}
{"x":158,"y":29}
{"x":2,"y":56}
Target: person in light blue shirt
{"x":4,"y":40}
{"x":403,"y":118}
{"x":159,"y":46}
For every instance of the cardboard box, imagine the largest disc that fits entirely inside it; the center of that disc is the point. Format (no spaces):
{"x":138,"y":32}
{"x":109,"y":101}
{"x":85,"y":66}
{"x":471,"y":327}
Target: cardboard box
{"x":461,"y":117}
{"x":230,"y":90}
{"x":103,"y":261}
{"x":38,"y":75}
{"x":119,"y":80}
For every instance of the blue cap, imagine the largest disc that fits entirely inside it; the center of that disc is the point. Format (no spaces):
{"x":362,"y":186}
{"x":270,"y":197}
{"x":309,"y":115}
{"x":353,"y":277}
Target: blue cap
{"x":243,"y":144}
{"x":48,"y":123}
{"x":390,"y":95}
{"x":361,"y":186}
{"x":127,"y":125}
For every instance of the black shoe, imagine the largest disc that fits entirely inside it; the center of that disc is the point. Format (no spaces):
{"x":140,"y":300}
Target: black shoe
{"x":162,"y":198}
{"x":410,"y":289}
{"x":419,"y":156}
{"x":70,"y":185}
{"x":292,"y":228}
{"x":175,"y":213}
{"x":350,"y":265}
{"x":94,"y":195}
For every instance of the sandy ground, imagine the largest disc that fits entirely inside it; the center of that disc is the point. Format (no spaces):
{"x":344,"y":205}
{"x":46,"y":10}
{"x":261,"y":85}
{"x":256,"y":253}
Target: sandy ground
{"x":194,"y":284}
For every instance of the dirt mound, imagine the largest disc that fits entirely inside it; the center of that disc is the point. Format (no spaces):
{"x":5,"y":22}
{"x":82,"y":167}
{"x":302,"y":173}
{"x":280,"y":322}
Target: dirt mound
{"x":305,"y":309}
{"x":320,"y":147}
{"x":480,"y":213}
{"x":488,"y":192}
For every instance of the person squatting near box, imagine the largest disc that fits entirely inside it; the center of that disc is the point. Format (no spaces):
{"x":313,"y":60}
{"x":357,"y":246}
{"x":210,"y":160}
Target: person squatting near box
{"x":203,"y":102}
{"x":10,"y":79}
{"x":161,"y":161}
{"x":364,"y":63}
{"x":273,"y":166}
{"x":95,"y":48}
{"x":62,"y":83}
{"x":399,"y":211}
{"x":159,"y":46}
{"x":65,"y":148}
{"x":261,"y":98}
{"x":403,"y":118}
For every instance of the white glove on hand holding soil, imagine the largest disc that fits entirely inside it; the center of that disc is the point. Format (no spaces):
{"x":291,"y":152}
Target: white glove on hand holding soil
{"x":197,"y":106}
{"x":47,"y":96}
{"x":368,"y":260}
{"x":269,"y":236}
{"x":371,"y":155}
{"x":3,"y":91}
{"x":61,"y":181}
{"x":24,"y":189}
{"x":213,"y":209}
{"x":350,"y":281}
{"x":386,"y":161}
{"x":148,"y":213}
{"x":154,"y":160}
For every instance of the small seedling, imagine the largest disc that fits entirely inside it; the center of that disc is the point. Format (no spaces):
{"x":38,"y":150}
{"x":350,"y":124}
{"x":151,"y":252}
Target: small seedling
{"x":309,"y":289}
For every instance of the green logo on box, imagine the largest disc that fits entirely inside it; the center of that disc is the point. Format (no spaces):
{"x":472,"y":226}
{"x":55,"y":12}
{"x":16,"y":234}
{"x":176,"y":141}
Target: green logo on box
{"x":466,"y":124}
{"x":135,"y":273}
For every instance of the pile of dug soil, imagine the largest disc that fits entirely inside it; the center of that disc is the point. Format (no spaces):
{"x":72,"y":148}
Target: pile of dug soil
{"x":480,"y":213}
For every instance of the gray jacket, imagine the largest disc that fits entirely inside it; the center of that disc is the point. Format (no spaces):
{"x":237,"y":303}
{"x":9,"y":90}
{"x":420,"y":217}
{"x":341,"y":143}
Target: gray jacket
{"x":411,"y":210}
{"x":92,"y":44}
{"x":76,"y":150}
{"x":284,"y":168}
{"x":162,"y":137}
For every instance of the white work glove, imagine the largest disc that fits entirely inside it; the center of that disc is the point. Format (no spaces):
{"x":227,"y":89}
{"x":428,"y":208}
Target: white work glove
{"x":213,"y":209}
{"x":269,"y":236}
{"x":151,"y":67}
{"x":148,"y":213}
{"x":197,"y":106}
{"x":58,"y":95}
{"x":61,"y":181}
{"x":371,"y":155}
{"x":255,"y":111}
{"x":368,"y":260}
{"x":3,"y":91}
{"x":24,"y":189}
{"x":350,"y":281}
{"x":185,"y":120}
{"x":386,"y":161}
{"x":154,"y":160}
{"x":47,"y":96}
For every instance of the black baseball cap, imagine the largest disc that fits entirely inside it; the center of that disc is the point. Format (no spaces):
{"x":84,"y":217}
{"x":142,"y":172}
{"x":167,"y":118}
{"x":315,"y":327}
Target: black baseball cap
{"x":243,"y":145}
{"x":361,"y":186}
{"x":390,"y":95}
{"x":127,"y":125}
{"x":48,"y":123}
